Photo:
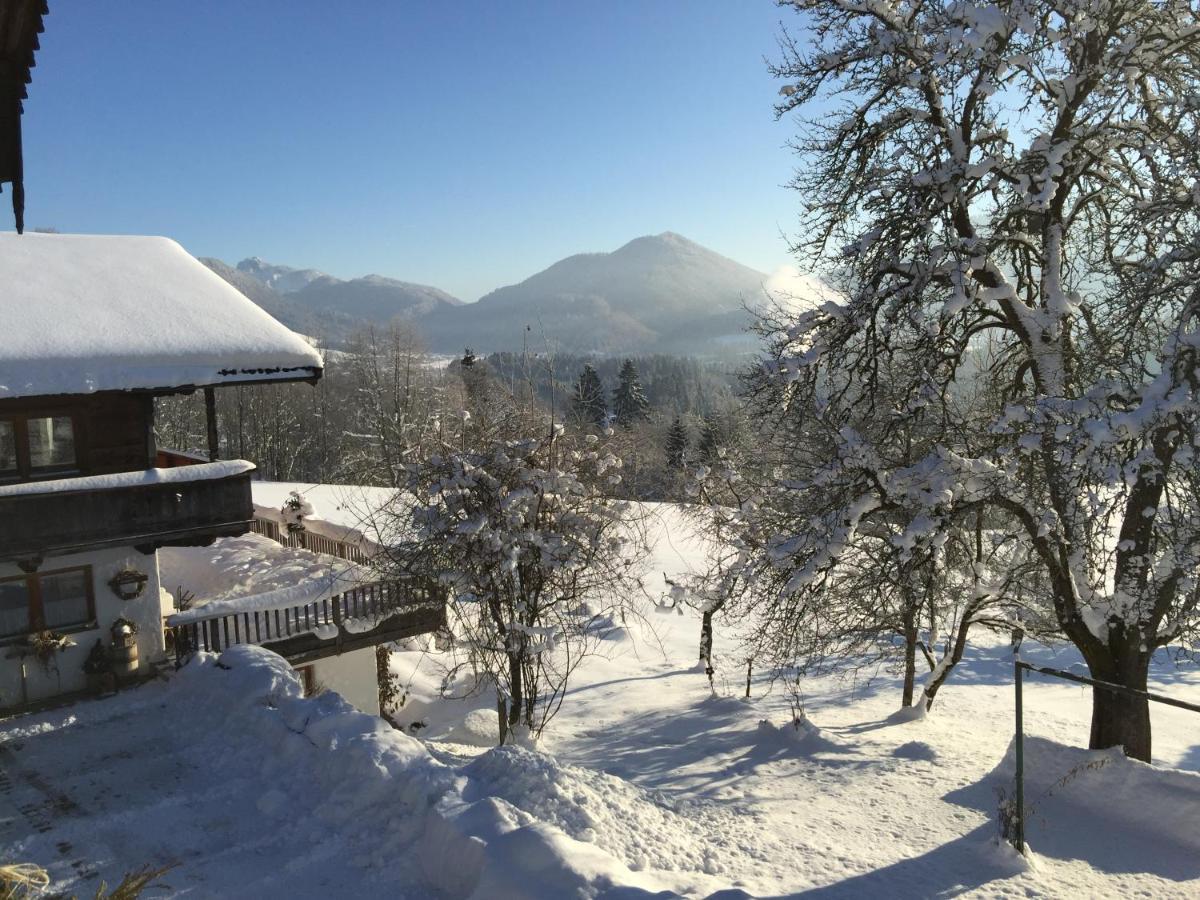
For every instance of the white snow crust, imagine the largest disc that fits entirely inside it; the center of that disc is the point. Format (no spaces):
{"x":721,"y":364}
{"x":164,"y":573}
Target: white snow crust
{"x":252,"y":573}
{"x":144,"y":477}
{"x":84,"y":313}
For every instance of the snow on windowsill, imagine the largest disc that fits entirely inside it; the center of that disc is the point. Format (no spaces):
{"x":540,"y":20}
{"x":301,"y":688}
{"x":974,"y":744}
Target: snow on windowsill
{"x":141,"y":478}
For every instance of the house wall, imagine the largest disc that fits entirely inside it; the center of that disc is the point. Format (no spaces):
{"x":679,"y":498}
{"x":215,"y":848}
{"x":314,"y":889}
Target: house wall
{"x":114,"y":430}
{"x":66,"y":672}
{"x":353,"y":676}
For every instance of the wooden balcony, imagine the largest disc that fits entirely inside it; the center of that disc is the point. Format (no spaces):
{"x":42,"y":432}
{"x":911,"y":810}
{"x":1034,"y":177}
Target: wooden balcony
{"x":363,"y":616}
{"x":147,"y":510}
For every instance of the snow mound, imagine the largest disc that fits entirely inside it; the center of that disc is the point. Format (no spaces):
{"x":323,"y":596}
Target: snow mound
{"x":918,"y":750}
{"x":640,"y":828}
{"x":478,"y":728}
{"x":914,"y":713}
{"x":801,"y":734}
{"x":84,"y":313}
{"x":383,"y":794}
{"x":1118,"y":814}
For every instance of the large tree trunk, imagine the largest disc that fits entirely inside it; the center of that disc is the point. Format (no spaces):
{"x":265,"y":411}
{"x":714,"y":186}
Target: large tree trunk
{"x":1119,"y":720}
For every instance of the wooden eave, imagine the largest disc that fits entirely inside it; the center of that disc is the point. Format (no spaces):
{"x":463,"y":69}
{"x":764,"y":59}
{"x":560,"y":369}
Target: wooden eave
{"x":20,"y":24}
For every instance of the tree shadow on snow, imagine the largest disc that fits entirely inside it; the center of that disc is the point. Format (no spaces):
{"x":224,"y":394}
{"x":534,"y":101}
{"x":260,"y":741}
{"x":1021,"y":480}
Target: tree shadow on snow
{"x":1190,"y":760}
{"x":1118,"y":816}
{"x":705,"y":747}
{"x":961,"y":865}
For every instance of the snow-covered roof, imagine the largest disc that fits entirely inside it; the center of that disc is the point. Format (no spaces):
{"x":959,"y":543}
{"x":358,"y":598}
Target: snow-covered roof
{"x":84,"y":313}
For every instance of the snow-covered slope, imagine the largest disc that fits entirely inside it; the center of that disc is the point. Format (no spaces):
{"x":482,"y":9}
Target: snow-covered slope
{"x":857,"y":803}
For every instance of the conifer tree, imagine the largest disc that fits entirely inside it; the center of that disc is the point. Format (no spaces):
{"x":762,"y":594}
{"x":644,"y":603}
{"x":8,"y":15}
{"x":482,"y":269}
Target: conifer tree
{"x":629,"y":402}
{"x":588,"y":400}
{"x":710,"y":439}
{"x":677,"y":445}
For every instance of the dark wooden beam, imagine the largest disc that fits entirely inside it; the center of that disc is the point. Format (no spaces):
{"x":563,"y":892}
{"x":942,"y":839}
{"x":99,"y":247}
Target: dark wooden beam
{"x":210,"y":412}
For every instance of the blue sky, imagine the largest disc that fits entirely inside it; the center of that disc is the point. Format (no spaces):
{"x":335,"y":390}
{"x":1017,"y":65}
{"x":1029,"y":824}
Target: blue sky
{"x":462,"y":144}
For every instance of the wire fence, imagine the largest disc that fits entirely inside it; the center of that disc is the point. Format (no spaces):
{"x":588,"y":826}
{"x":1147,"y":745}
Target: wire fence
{"x":1015,"y":827}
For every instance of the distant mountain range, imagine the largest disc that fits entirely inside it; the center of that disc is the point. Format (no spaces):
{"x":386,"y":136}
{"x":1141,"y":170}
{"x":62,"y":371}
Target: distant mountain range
{"x":660,"y":293}
{"x":325,"y":307}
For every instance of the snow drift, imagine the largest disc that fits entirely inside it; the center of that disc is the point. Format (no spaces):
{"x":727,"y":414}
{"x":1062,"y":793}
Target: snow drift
{"x":1118,"y":814}
{"x":382,"y":790}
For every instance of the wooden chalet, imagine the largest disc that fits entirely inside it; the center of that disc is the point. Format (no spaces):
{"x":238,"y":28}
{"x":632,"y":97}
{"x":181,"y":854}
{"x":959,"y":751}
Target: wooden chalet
{"x":92,"y":330}
{"x":95,"y":328}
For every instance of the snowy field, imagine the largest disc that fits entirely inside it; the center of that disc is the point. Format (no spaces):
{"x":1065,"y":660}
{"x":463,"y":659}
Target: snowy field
{"x":646,"y":780}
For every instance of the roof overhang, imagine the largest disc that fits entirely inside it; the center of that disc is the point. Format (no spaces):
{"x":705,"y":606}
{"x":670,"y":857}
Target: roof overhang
{"x":20,"y":25}
{"x":80,"y":314}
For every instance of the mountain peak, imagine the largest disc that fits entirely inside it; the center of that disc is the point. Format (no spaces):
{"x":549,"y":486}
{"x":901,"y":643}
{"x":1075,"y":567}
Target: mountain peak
{"x":656,"y":292}
{"x":283,"y":279}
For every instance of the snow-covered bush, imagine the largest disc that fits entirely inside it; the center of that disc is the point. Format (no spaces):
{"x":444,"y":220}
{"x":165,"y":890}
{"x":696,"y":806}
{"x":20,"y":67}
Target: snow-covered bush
{"x":295,"y":510}
{"x":534,"y":553}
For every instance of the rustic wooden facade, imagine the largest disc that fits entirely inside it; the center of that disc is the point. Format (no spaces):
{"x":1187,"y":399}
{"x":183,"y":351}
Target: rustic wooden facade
{"x":144,"y":517}
{"x":113,"y":432}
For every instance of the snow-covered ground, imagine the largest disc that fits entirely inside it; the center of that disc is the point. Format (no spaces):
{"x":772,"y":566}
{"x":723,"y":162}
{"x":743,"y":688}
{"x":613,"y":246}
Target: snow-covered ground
{"x":646,"y":779}
{"x":864,"y":806}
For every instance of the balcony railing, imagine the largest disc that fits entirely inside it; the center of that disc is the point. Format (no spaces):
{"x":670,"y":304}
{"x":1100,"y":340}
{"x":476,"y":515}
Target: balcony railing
{"x":311,"y":540}
{"x":362,"y":616}
{"x":147,"y":509}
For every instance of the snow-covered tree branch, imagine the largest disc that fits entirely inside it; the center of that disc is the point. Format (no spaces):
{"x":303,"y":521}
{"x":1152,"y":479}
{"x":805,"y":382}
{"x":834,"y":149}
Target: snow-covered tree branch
{"x":1008,"y":194}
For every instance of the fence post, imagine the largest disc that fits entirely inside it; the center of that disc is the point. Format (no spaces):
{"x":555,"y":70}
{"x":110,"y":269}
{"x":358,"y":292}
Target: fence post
{"x":1018,"y":832}
{"x":337,"y":619}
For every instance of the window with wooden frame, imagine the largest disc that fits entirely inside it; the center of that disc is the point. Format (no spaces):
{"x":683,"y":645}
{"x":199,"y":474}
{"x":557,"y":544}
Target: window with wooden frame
{"x":37,"y":446}
{"x":61,"y":600}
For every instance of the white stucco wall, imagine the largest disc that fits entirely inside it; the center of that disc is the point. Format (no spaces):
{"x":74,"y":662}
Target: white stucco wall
{"x":66,"y":671}
{"x":353,"y":676}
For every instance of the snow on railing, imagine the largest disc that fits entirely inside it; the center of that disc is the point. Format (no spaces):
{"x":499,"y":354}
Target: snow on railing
{"x":310,"y":539}
{"x":356,"y":611}
{"x":122,"y":480}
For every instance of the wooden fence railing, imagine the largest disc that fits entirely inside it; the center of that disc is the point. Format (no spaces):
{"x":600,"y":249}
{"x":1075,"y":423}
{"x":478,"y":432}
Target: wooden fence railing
{"x":371,"y":603}
{"x":309,"y":540}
